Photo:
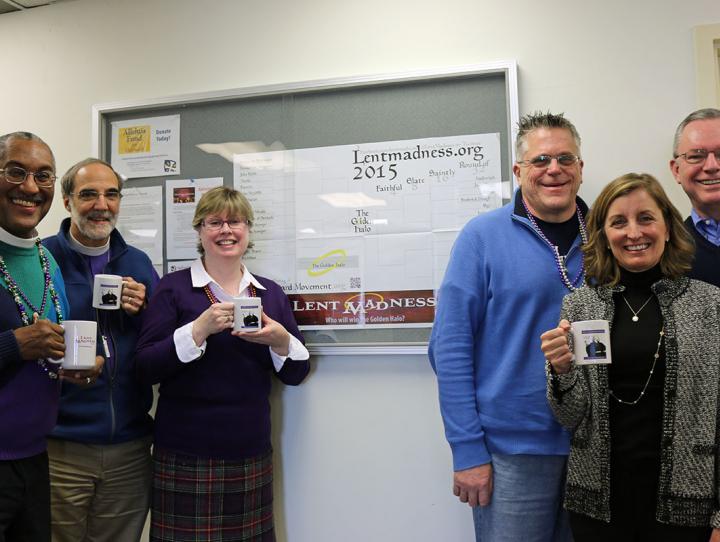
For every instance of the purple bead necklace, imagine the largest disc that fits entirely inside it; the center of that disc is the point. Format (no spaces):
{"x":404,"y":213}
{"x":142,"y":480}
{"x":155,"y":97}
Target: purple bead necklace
{"x":21,"y":299}
{"x":559,"y":260}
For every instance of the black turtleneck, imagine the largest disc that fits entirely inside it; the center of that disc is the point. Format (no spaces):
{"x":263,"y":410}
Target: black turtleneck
{"x":635,"y":430}
{"x":560,"y":234}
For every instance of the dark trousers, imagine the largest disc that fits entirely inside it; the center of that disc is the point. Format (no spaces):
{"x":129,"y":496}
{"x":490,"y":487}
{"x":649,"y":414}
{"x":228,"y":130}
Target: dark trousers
{"x":633,"y":491}
{"x":25,"y":500}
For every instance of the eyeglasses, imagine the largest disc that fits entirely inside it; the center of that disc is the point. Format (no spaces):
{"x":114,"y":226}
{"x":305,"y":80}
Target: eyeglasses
{"x":215,"y":224}
{"x":543,"y":161}
{"x":17,"y":175}
{"x":87,"y":195}
{"x":698,"y":156}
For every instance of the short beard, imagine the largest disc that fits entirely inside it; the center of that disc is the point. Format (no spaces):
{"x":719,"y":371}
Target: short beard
{"x":91,"y":230}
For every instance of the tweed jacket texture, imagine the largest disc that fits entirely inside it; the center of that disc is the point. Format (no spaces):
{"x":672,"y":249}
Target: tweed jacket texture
{"x":688,"y":484}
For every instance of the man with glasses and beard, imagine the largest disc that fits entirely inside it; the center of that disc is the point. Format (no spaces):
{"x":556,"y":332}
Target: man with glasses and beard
{"x":100,"y":464}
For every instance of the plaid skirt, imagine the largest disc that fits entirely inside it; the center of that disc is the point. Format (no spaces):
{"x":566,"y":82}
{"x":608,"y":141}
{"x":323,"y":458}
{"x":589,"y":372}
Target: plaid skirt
{"x":211,"y":500}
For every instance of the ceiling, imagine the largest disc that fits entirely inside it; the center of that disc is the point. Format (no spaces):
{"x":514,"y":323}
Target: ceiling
{"x":8,"y":6}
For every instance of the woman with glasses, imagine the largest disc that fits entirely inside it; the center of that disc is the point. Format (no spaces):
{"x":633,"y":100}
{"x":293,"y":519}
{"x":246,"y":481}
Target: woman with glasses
{"x":644,"y":457}
{"x":212,"y":454}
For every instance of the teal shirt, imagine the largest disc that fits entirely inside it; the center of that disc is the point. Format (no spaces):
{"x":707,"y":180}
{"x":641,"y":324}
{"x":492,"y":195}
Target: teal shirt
{"x":24,"y":267}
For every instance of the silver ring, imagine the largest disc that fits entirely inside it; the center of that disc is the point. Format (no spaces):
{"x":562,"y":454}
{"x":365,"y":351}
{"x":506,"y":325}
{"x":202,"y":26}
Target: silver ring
{"x":88,"y":380}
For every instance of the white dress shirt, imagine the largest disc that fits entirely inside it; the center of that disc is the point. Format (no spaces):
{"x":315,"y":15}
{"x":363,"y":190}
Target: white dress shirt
{"x":185,"y":346}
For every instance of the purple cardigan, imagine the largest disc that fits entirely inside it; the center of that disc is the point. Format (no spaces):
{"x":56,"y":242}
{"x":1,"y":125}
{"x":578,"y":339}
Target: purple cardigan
{"x":216,"y":406}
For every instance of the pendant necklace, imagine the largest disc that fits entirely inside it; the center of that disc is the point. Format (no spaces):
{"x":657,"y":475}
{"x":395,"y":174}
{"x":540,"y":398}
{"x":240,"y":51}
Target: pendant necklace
{"x":647,"y":382}
{"x":635,"y":316}
{"x":560,"y":260}
{"x":21,"y":299}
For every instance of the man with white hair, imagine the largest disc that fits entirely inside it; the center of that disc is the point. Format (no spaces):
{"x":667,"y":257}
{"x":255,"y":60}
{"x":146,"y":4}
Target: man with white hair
{"x":696,"y":167}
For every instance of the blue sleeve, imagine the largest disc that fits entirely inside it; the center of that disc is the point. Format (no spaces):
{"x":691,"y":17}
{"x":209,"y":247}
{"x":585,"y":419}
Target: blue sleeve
{"x":154,"y":279}
{"x":59,"y":283}
{"x":150,"y":279}
{"x":462,"y":300}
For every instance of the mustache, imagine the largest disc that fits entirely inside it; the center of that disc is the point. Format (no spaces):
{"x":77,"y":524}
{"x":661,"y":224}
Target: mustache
{"x":94,"y":215}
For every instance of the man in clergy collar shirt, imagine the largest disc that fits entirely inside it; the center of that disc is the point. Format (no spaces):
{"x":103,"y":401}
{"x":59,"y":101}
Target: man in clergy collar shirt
{"x":32,"y":305}
{"x":100,"y":463}
{"x":696,"y":167}
{"x":507,"y":274}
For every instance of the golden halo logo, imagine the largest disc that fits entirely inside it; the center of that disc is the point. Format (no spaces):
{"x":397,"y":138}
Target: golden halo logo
{"x":320,"y":265}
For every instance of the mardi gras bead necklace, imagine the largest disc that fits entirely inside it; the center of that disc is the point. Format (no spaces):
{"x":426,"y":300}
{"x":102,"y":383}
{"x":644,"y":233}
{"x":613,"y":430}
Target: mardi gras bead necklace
{"x":213,"y":299}
{"x":21,"y":300}
{"x":559,"y":260}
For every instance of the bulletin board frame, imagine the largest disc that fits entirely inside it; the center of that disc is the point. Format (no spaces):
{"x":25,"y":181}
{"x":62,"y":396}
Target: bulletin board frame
{"x":480,"y":98}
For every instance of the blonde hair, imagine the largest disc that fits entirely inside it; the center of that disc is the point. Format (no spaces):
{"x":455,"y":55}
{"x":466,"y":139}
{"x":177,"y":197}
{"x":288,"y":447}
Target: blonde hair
{"x":222,"y":200}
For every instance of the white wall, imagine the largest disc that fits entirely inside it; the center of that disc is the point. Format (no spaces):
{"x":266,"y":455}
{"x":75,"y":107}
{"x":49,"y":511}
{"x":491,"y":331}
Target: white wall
{"x":360,"y":445}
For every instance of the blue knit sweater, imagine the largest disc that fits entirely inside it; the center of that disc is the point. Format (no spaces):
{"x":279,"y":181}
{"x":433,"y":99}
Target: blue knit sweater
{"x":501,"y":290}
{"x":115,"y":408}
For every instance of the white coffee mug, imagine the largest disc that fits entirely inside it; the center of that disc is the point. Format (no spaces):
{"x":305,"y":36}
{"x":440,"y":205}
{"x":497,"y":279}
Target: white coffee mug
{"x":248,"y":314}
{"x":591,"y":342}
{"x":107,"y":292}
{"x":80,"y":344}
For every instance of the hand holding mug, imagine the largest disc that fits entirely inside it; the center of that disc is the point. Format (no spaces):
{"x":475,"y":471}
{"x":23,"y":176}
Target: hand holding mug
{"x":133,"y":296}
{"x":218,"y":317}
{"x":554,"y":344}
{"x":83,"y":377}
{"x":272,"y":334}
{"x":41,"y":339}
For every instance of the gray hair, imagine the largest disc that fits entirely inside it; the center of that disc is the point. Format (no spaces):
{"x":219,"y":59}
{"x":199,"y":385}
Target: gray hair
{"x":700,"y":114}
{"x":68,"y":181}
{"x":538,"y":119}
{"x":23,"y":136}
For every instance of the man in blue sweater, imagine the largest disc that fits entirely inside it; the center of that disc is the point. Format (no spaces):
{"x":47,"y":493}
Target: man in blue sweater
{"x":508,"y":272}
{"x":100,"y":464}
{"x":696,"y":167}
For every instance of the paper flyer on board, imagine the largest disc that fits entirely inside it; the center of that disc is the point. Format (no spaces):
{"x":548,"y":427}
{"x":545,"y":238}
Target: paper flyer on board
{"x":359,"y":235}
{"x":140,"y":221}
{"x":181,"y":198}
{"x":147,"y":147}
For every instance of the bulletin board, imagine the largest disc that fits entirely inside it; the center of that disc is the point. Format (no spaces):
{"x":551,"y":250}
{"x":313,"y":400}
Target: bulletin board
{"x":359,"y":187}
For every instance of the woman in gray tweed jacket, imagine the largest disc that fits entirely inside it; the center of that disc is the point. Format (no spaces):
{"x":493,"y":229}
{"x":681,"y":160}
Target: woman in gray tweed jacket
{"x":644,"y":458}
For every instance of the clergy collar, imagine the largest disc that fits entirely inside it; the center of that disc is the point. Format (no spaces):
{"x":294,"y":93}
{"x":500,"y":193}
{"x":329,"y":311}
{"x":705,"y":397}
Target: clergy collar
{"x":77,"y":246}
{"x":20,"y":242}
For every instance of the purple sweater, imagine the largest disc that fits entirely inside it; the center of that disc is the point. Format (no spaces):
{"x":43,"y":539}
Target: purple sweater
{"x":28,"y":398}
{"x":216,"y":406}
